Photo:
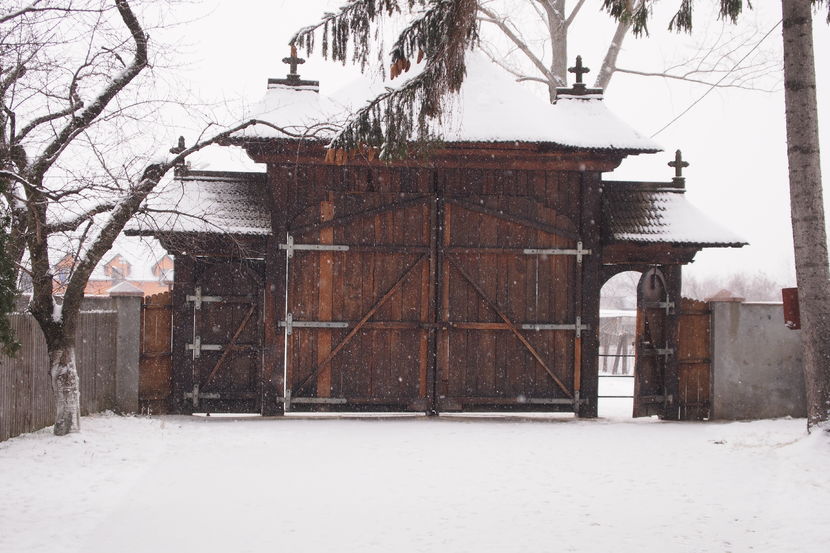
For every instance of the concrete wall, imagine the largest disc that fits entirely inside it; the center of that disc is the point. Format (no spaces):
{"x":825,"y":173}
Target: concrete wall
{"x":756,"y":363}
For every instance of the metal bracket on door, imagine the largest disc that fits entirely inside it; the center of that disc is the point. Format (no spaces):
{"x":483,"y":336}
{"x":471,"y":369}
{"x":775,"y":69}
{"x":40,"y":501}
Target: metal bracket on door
{"x":579,"y":252}
{"x":289,"y":323}
{"x":667,"y":305}
{"x":578,"y":327}
{"x":198,"y":347}
{"x":196,"y":395}
{"x":290,"y":247}
{"x":198,"y":298}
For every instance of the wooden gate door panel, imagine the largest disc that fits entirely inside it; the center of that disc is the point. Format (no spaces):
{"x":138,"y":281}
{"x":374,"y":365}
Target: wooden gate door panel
{"x":508,"y":314}
{"x":226,"y":351}
{"x":359,"y":299}
{"x":155,"y":367}
{"x":693,"y":357}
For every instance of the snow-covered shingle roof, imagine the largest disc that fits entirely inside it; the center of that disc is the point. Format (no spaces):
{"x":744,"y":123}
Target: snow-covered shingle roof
{"x":210,"y":201}
{"x":491,"y":107}
{"x":652,"y":213}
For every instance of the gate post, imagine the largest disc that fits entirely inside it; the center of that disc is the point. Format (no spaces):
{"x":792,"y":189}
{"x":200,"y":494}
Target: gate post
{"x":273,"y":365}
{"x":127,"y":303}
{"x":672,"y":376}
{"x":590,"y":291}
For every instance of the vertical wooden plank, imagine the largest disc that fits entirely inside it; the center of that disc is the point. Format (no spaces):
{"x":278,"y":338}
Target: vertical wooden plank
{"x":274,"y":369}
{"x":325,"y":301}
{"x":183,"y":283}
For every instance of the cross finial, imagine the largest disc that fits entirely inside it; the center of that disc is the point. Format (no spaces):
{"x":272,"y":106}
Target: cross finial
{"x":293,"y":61}
{"x":678,"y":165}
{"x":579,"y":70}
{"x":181,"y":165}
{"x":179,"y":147}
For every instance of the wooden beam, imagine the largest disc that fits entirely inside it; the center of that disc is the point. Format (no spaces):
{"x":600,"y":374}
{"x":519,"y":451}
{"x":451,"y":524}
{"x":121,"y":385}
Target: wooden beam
{"x":518,"y":219}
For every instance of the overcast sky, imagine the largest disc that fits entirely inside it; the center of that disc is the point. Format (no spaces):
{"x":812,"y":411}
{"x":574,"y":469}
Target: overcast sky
{"x":734,"y":139}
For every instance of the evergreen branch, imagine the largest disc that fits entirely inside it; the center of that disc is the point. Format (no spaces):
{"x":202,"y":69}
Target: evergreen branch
{"x":396,"y":117}
{"x":351,"y":24}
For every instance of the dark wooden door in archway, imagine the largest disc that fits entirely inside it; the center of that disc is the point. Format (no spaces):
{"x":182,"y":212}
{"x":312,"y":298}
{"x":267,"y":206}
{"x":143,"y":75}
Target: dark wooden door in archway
{"x":225,"y":353}
{"x":653,"y":347}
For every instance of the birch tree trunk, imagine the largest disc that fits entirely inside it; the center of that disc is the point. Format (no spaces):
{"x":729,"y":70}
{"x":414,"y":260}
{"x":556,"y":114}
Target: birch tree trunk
{"x":806,"y":203}
{"x":66,"y":388}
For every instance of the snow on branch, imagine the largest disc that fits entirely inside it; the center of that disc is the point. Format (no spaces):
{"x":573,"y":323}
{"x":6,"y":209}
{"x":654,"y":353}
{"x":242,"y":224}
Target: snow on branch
{"x":78,"y":123}
{"x":440,"y":33}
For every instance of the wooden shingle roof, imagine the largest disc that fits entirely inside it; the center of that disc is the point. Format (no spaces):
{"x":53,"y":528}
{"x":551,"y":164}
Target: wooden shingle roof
{"x":659,"y":213}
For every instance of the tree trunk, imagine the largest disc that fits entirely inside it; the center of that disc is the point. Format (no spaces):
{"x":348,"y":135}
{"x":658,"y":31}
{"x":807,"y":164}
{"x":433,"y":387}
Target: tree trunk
{"x":609,"y":64}
{"x":559,"y":47}
{"x":67,"y":390}
{"x":807,"y":206}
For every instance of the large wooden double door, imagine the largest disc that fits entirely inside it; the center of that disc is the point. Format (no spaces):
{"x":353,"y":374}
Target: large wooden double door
{"x":432,"y":303}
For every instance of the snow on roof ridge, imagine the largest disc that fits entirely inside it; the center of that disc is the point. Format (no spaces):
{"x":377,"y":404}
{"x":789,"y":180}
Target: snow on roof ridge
{"x":491,"y":107}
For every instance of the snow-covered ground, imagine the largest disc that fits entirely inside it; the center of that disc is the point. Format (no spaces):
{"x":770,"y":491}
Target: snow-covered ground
{"x":451,"y":484}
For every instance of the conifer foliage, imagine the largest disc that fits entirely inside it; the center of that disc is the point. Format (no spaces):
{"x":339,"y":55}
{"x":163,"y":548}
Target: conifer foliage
{"x":439,"y":34}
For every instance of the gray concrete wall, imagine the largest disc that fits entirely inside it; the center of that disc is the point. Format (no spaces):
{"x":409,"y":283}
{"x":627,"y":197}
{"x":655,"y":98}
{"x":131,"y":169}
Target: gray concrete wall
{"x":756,"y":363}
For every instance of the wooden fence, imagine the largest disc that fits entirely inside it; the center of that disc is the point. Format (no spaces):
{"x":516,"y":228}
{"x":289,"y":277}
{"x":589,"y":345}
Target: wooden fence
{"x":26,"y":401}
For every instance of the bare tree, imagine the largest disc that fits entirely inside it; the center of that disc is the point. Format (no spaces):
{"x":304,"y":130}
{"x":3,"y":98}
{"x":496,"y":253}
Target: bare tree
{"x":65,"y":72}
{"x":538,"y":48}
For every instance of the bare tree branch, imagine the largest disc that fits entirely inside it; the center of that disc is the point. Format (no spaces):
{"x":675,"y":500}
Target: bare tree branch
{"x":493,"y":18}
{"x":574,"y":13}
{"x":74,"y":223}
{"x":97,"y":106}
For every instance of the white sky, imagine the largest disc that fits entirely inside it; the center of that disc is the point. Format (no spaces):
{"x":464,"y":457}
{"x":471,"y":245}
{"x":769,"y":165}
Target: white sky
{"x":734,"y":139}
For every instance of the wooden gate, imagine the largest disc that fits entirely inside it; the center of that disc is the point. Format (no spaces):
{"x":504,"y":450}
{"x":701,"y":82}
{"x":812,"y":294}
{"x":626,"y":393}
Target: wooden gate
{"x":425,"y":302}
{"x":155,"y":366}
{"x":510,"y":325}
{"x":684,"y":394}
{"x":360,"y":302}
{"x":693,"y":358}
{"x":223,"y":359}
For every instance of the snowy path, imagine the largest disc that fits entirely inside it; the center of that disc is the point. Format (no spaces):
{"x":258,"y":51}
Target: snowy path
{"x":410,"y":485}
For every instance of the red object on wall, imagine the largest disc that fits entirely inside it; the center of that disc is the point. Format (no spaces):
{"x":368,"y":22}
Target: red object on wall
{"x":792,"y":318}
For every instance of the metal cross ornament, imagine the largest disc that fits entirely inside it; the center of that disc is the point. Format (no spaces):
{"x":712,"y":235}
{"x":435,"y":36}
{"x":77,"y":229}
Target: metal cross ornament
{"x":678,"y":165}
{"x":579,"y":70}
{"x":293,"y":61}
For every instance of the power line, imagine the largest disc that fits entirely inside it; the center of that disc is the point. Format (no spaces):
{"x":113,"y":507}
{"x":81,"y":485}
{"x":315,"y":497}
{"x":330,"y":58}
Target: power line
{"x":715,"y":85}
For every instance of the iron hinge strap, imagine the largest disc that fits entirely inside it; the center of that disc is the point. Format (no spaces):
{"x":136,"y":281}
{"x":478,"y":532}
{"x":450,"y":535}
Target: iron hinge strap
{"x":196,"y":395}
{"x":578,"y":327}
{"x":198,"y":298}
{"x":198,"y":347}
{"x":290,"y":247}
{"x":289,"y":324}
{"x":579,"y":252}
{"x":667,"y":305}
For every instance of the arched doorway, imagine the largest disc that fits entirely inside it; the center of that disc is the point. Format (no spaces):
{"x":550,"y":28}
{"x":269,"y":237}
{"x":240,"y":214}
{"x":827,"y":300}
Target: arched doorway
{"x":617,"y":339}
